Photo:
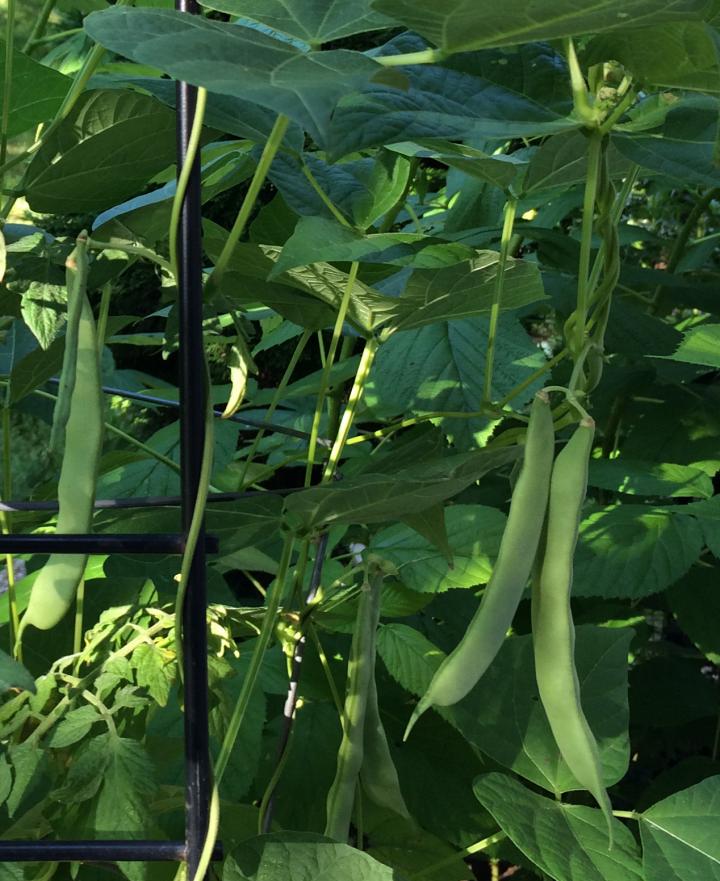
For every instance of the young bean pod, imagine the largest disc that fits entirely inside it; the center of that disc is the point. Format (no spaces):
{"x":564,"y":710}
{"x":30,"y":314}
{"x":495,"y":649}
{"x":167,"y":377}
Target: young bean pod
{"x":553,"y":629}
{"x":464,"y":666}
{"x":378,"y":775}
{"x":361,"y":667}
{"x":55,"y":586}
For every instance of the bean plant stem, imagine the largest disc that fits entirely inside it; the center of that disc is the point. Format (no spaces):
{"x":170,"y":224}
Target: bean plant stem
{"x":6,"y":523}
{"x":329,"y":362}
{"x":79,"y":609}
{"x":583,"y":294}
{"x":505,"y":241}
{"x":272,"y":145}
{"x":40,"y":25}
{"x":356,"y":393}
{"x":465,"y":852}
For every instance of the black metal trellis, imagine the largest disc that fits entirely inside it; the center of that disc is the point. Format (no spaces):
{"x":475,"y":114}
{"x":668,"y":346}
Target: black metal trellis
{"x":198,"y":781}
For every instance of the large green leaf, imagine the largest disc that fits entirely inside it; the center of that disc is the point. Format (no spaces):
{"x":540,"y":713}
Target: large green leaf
{"x":679,"y":835}
{"x":128,"y":781}
{"x":473,"y":97}
{"x":372,"y":498}
{"x":302,"y":856}
{"x":37,"y":92}
{"x":682,"y":147}
{"x":503,"y":717}
{"x":106,"y":150}
{"x":459,"y":25}
{"x":683,"y":55}
{"x":235,"y":60}
{"x":440,"y":368}
{"x":314,"y":21}
{"x":567,"y":842}
{"x":318,"y":239}
{"x":634,"y":551}
{"x":695,"y":602}
{"x":475,"y":532}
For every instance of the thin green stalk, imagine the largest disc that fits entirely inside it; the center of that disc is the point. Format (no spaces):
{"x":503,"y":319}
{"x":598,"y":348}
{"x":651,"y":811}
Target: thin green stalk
{"x":465,"y":852}
{"x":182,"y":182}
{"x":583,"y":298}
{"x":6,"y":523}
{"x":272,"y":145}
{"x":620,"y":202}
{"x":324,"y":198}
{"x":40,"y":24}
{"x":276,"y":398}
{"x":329,"y":362}
{"x":274,"y":599}
{"x":57,"y":37}
{"x":336,"y":396}
{"x":425,"y":56}
{"x":535,"y":375}
{"x":79,"y":609}
{"x":505,"y":242}
{"x":356,"y":393}
{"x":627,"y":815}
{"x":7,"y":87}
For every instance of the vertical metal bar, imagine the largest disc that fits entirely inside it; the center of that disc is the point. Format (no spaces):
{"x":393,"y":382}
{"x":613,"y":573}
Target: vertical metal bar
{"x":192,"y":413}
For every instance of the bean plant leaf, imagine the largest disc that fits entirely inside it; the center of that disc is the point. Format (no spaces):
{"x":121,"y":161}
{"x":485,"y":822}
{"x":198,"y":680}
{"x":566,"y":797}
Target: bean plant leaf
{"x":302,"y":856}
{"x":106,"y":132}
{"x":695,"y":602}
{"x":440,"y":368}
{"x":566,"y":842}
{"x":315,"y":22}
{"x":316,"y":239}
{"x":682,"y":147}
{"x":372,"y":498}
{"x":649,"y":478}
{"x":491,"y":95}
{"x":235,"y":60}
{"x":361,"y":189}
{"x":700,"y":345}
{"x":462,"y":25}
{"x":683,"y":55}
{"x":37,"y":91}
{"x":475,"y":532}
{"x":678,"y":834}
{"x":13,"y":675}
{"x":634,"y":551}
{"x":503,"y":717}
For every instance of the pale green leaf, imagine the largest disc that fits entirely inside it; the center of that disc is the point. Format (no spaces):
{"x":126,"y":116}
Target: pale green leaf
{"x":679,"y":835}
{"x":700,"y":345}
{"x":649,"y":478}
{"x":566,"y":842}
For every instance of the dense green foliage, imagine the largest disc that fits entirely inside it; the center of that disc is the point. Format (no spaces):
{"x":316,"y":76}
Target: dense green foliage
{"x":415,"y":216}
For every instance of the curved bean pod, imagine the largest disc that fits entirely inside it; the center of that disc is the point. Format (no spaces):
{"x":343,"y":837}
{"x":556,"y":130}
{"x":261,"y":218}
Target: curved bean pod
{"x":464,"y":666}
{"x":553,"y":628}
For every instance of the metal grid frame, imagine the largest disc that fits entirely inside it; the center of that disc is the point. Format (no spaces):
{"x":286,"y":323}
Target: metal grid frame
{"x":198,"y":780}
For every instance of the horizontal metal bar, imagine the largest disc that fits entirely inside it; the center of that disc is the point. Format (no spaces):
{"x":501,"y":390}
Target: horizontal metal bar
{"x":96,"y":851}
{"x":105,"y":543}
{"x":146,"y":501}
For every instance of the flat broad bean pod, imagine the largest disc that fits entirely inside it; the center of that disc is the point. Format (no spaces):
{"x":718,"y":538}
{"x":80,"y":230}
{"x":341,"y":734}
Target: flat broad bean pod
{"x":464,"y":666}
{"x":55,"y":586}
{"x":552,"y":623}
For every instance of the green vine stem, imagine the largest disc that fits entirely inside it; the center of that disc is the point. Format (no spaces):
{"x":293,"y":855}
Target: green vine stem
{"x":272,"y":145}
{"x":505,"y":242}
{"x":478,"y":847}
{"x":425,"y":56}
{"x":329,"y":362}
{"x":575,"y":326}
{"x":361,"y":377}
{"x":40,"y":25}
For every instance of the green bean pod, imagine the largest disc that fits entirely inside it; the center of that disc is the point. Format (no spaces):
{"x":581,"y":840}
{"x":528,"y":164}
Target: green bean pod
{"x":464,"y":666}
{"x":76,"y":274}
{"x":553,"y":628}
{"x":378,"y":775}
{"x":361,"y":668}
{"x":56,"y":584}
